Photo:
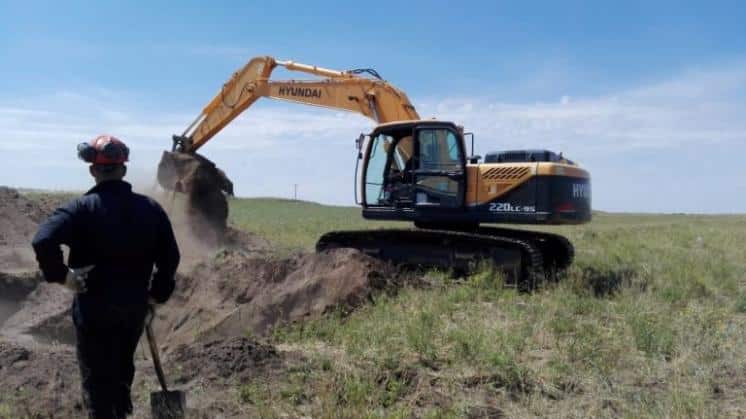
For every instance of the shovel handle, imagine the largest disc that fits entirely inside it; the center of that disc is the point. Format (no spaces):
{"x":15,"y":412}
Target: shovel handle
{"x":154,"y":352}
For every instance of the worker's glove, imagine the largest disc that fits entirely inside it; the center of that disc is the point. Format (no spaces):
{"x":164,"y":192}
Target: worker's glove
{"x":76,"y":277}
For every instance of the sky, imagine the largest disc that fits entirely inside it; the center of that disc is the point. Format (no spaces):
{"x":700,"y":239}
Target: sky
{"x":650,"y":97}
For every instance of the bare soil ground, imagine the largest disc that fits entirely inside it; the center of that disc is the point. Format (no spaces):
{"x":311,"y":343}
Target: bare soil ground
{"x":19,"y":217}
{"x":210,"y":333}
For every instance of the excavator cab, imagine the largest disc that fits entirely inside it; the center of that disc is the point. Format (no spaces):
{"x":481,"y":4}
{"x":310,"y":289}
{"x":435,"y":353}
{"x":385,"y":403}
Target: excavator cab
{"x":413,"y":170}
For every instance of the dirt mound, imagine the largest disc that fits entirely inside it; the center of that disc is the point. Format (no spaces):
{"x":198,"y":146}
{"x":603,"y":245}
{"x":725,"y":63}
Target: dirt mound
{"x":39,"y":382}
{"x":36,"y":311}
{"x":19,"y":217}
{"x":30,"y":310}
{"x":342,"y":278}
{"x":236,"y":292}
{"x":236,"y":357}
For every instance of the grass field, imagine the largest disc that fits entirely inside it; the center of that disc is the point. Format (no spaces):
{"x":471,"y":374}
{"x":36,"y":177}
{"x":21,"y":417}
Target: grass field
{"x":649,"y":322}
{"x":296,"y":224}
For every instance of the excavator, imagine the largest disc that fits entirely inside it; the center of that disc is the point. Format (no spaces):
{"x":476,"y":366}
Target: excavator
{"x":409,"y":169}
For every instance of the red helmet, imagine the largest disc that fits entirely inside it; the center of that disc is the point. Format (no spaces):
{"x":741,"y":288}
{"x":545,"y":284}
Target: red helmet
{"x":104,"y":149}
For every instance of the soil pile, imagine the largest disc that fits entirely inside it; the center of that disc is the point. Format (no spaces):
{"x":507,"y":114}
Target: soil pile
{"x":237,"y":292}
{"x":43,"y":317}
{"x":19,"y":218}
{"x":16,"y":226}
{"x":34,"y":311}
{"x":29,"y":309}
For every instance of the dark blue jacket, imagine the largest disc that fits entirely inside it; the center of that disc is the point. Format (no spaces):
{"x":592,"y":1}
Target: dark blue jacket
{"x":124,"y":235}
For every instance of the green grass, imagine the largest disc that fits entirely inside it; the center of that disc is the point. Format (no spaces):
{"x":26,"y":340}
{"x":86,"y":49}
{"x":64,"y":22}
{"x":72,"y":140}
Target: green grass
{"x":649,"y":322}
{"x":6,"y":411}
{"x":296,"y":224}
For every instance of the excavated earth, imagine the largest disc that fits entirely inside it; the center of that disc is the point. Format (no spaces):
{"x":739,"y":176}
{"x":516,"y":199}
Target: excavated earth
{"x":19,"y":217}
{"x":210,"y":333}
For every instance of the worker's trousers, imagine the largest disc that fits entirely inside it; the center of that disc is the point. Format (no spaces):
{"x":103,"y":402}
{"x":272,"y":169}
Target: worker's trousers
{"x":105,"y":348}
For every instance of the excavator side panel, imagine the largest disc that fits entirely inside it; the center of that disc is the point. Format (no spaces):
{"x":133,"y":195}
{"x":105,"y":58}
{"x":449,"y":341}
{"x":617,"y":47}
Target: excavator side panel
{"x":553,"y":193}
{"x":514,"y":193}
{"x":495,"y":180}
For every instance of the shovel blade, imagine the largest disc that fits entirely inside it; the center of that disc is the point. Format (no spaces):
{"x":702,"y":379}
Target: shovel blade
{"x":168,"y":404}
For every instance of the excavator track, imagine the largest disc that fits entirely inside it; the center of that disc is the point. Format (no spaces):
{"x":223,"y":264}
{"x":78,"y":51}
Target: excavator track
{"x":557,"y":251}
{"x":520,"y":260}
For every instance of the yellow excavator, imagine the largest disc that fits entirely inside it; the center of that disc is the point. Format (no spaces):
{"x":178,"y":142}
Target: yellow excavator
{"x":409,"y":169}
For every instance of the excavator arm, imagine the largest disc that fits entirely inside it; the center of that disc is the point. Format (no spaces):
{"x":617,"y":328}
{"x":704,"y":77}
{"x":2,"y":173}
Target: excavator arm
{"x":345,"y":90}
{"x":184,"y":170}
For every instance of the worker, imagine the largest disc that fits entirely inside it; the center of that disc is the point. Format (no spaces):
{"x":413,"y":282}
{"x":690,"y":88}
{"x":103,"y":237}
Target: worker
{"x":115,"y":238}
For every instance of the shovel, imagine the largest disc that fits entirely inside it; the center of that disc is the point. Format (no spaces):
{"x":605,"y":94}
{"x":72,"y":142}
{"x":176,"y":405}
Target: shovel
{"x":163,"y":404}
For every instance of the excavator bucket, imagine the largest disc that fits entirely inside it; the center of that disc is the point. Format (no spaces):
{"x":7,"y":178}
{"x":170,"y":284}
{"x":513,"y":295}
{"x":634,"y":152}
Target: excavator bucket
{"x":185,"y":172}
{"x":205,"y":185}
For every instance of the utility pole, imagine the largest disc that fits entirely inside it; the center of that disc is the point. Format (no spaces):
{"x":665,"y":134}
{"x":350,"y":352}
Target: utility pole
{"x":295,"y":192}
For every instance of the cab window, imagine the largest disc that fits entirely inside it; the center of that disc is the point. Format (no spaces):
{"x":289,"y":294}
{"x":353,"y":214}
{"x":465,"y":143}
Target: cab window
{"x":439,"y":150}
{"x":374,"y":175}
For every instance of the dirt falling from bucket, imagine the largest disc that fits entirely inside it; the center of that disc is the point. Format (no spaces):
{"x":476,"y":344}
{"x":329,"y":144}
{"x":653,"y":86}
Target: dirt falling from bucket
{"x":205,"y":187}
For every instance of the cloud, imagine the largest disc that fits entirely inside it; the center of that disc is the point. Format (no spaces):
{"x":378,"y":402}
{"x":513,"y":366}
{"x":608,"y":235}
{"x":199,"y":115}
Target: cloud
{"x":65,"y":116}
{"x":697,"y":108}
{"x":628,"y":138}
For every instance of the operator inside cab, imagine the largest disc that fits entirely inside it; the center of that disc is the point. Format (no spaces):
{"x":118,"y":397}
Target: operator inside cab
{"x":400,"y":168}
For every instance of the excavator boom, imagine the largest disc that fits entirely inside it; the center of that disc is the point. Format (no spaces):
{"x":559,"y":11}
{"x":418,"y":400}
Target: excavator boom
{"x":345,"y":90}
